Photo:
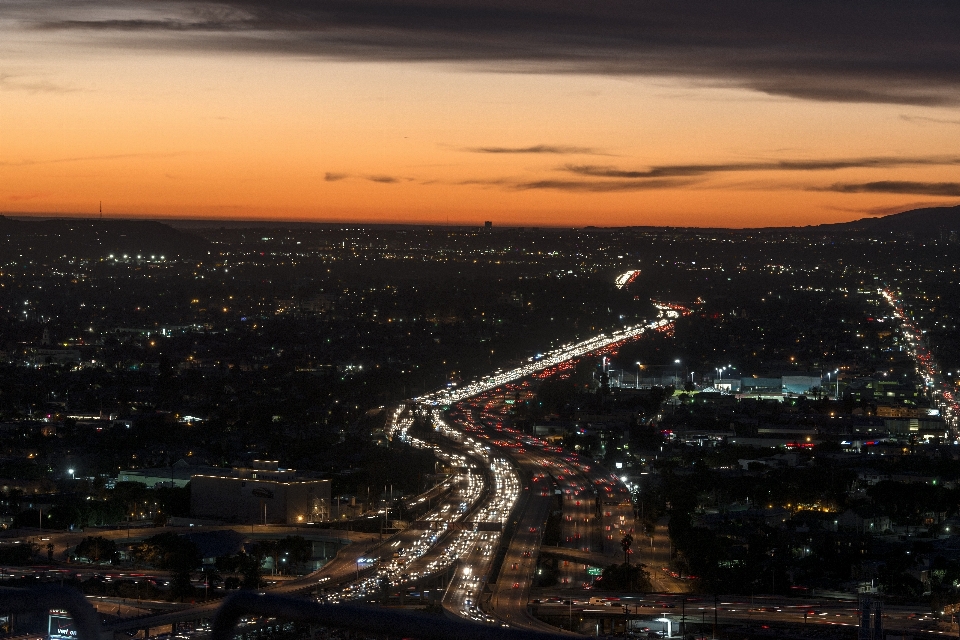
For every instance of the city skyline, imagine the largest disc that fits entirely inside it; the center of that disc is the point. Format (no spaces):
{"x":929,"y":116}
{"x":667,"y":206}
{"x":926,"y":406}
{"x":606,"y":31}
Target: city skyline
{"x":754,"y":115}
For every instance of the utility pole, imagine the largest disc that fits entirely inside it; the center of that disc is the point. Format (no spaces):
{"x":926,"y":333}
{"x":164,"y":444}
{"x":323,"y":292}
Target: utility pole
{"x":683,"y":617}
{"x":716,"y":599}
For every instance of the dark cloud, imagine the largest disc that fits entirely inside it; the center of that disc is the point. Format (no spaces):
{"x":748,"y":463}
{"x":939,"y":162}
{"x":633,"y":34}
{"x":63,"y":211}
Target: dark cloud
{"x":118,"y":156}
{"x":539,"y":148}
{"x":885,"y":51}
{"x":925,"y":120}
{"x":601,"y":186}
{"x":333,"y":177}
{"x":689,"y":170}
{"x":13,"y":82}
{"x":945,"y":189}
{"x":383,"y":179}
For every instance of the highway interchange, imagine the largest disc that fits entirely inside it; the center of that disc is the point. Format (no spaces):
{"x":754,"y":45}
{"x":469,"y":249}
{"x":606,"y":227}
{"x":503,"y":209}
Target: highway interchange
{"x":485,"y":532}
{"x":482,"y":534}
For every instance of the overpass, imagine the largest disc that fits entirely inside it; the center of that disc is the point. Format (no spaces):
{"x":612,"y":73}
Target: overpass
{"x":591,"y":558}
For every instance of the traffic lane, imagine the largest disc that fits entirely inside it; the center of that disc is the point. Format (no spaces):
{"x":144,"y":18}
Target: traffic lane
{"x":463,"y":596}
{"x":511,"y":590}
{"x":509,"y":600}
{"x":519,"y":566}
{"x":762,"y":610}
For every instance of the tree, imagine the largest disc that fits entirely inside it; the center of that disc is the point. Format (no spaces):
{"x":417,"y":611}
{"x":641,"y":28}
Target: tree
{"x":173,"y":553}
{"x":17,"y":554}
{"x":97,"y":549}
{"x":625,"y":543}
{"x":624,"y":577}
{"x":250,"y":568}
{"x":296,"y":550}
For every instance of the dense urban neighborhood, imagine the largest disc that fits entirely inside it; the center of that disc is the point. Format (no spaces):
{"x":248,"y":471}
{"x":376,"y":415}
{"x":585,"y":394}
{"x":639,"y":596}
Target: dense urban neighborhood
{"x":634,"y":431}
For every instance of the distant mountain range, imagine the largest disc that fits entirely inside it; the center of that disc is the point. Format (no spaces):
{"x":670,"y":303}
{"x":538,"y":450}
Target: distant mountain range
{"x":94,"y":239}
{"x":929,"y":222}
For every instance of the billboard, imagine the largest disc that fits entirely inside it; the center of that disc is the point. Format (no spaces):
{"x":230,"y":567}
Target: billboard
{"x":60,"y":626}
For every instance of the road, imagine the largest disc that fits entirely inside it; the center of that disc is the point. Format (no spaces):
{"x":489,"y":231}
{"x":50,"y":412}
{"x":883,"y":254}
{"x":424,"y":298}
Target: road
{"x":656,"y":555}
{"x":497,"y":469}
{"x":589,"y":526}
{"x":510,"y":479}
{"x":697,"y":613}
{"x":359,"y":570}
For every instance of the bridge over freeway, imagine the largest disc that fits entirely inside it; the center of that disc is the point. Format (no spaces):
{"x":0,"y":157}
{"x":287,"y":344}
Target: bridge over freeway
{"x":591,"y":558}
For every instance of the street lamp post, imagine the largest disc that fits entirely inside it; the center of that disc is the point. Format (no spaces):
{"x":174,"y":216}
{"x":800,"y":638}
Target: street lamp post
{"x":638,"y":375}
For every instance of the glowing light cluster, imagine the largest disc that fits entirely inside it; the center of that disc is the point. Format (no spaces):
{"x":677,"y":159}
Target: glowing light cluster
{"x":624,"y":279}
{"x":665,"y":317}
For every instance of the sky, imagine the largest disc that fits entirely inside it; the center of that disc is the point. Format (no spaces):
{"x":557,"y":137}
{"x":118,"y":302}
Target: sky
{"x":741,"y":113}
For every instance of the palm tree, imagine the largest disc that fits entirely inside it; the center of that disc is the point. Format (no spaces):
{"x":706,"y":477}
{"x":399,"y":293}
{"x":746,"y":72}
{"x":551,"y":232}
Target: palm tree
{"x":625,"y":543}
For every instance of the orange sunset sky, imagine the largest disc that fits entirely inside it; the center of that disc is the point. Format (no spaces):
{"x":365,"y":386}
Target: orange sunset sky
{"x":110,"y":104}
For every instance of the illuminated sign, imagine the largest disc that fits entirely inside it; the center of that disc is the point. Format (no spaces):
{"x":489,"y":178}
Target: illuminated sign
{"x":60,"y":626}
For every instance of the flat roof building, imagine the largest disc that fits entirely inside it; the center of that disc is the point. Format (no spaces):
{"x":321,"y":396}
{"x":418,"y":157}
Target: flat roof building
{"x":262,"y":493}
{"x":176,"y":475}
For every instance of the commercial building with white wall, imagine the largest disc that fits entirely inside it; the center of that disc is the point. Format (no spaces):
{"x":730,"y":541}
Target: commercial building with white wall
{"x":263,"y":494}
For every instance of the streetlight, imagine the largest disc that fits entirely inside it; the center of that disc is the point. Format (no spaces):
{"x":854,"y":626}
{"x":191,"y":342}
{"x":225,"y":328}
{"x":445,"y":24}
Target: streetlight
{"x":836,"y":373}
{"x":638,"y":375}
{"x":70,"y":471}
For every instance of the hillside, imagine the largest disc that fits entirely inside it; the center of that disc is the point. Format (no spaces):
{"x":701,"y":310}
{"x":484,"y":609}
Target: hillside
{"x":929,"y":222}
{"x":93,"y":239}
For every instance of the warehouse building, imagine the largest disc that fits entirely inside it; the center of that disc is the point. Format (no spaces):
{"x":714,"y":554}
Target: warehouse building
{"x":261,"y":494}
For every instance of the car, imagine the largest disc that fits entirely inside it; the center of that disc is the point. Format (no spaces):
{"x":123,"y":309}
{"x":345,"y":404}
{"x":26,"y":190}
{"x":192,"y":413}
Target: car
{"x":516,"y":585}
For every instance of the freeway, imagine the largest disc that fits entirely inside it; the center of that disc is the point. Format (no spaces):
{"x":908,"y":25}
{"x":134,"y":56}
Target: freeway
{"x":698,"y":613}
{"x":491,"y":464}
{"x":545,"y":471}
{"x":939,"y":388}
{"x":667,"y":313}
{"x":359,"y":571}
{"x":482,"y":487}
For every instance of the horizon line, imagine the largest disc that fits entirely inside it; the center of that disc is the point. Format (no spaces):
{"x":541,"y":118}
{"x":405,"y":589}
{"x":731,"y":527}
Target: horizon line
{"x":234,"y":222}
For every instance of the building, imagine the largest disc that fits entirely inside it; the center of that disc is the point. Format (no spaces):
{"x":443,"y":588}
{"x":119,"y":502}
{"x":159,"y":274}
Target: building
{"x":263,"y":493}
{"x":177,"y":475}
{"x":864,"y":521}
